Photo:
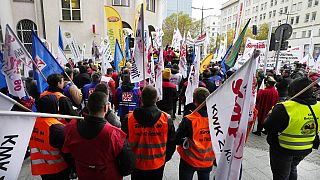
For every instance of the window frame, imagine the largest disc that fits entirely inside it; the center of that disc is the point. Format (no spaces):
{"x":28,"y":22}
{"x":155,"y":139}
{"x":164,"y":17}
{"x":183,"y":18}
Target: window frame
{"x":113,"y":4}
{"x":313,"y":16}
{"x":148,"y":6}
{"x":307,"y":18}
{"x":70,"y":11}
{"x":310,"y":2}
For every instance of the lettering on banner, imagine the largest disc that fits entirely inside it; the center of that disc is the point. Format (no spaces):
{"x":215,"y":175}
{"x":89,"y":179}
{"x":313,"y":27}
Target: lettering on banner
{"x":5,"y":152}
{"x":216,"y":123}
{"x":134,"y":70}
{"x":235,"y":118}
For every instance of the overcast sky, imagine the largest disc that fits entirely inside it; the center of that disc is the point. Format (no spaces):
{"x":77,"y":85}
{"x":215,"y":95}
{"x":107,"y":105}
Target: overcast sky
{"x":216,"y":4}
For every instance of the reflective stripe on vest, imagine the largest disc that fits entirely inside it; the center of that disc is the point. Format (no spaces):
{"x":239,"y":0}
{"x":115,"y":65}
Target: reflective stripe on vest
{"x":45,"y":152}
{"x":200,"y":152}
{"x":148,"y":143}
{"x":300,"y":133}
{"x":50,"y":162}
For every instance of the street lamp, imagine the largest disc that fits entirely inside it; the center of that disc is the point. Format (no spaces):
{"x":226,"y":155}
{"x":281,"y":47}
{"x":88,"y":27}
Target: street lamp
{"x":201,"y":16}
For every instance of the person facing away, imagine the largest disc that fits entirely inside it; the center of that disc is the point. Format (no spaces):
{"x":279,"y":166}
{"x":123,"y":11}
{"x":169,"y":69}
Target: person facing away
{"x":46,"y":142}
{"x":100,"y":150}
{"x":128,"y":97}
{"x":89,"y":88}
{"x":266,"y":99}
{"x":170,"y":94}
{"x":83,"y":78}
{"x":283,"y":85}
{"x":56,"y":82}
{"x":194,"y":141}
{"x":292,"y":130}
{"x":70,"y":89}
{"x":211,"y":86}
{"x":151,"y":135}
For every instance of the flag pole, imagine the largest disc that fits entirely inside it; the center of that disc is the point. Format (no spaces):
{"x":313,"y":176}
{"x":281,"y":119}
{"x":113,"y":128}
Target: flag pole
{"x":44,"y":115}
{"x":15,"y":102}
{"x":143,"y":47}
{"x":267,"y":51}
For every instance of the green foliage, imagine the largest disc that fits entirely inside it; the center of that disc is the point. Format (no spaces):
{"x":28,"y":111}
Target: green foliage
{"x":263,"y":32}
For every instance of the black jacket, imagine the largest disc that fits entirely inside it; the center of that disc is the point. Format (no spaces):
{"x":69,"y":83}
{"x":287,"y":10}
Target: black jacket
{"x":211,"y":86}
{"x":169,"y":96}
{"x":278,"y":121}
{"x":147,"y":117}
{"x":81,"y":79}
{"x":282,"y":86}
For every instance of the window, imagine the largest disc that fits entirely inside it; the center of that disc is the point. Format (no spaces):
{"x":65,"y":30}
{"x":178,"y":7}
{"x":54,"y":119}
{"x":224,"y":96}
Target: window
{"x":291,"y":21}
{"x":299,"y":7}
{"x":286,"y":9}
{"x":24,"y":32}
{"x":313,"y":16}
{"x":297,"y":19}
{"x":151,"y":5}
{"x":304,"y":33}
{"x":281,"y":11}
{"x":71,"y":10}
{"x":316,"y":2}
{"x":23,"y":0}
{"x":270,"y":14}
{"x":316,"y":50}
{"x":294,"y":35}
{"x":213,"y":29}
{"x":257,"y":8}
{"x":271,"y":3}
{"x":294,"y":7}
{"x":261,"y":7}
{"x":306,"y":49}
{"x":309,"y":3}
{"x":264,"y":15}
{"x":307,"y":17}
{"x":282,"y":1}
{"x":309,"y":33}
{"x":274,"y":13}
{"x":255,"y":19}
{"x":275,"y":2}
{"x":120,"y":3}
{"x":1,"y":39}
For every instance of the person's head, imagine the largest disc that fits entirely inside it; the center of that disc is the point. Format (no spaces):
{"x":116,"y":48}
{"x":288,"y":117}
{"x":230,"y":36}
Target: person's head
{"x":175,"y":66}
{"x":109,"y":71}
{"x":68,"y":72}
{"x":125,"y":79}
{"x":30,"y":73}
{"x":96,"y":77}
{"x":98,"y":104}
{"x":102,"y":88}
{"x":297,"y":85}
{"x":149,"y":96}
{"x":206,"y":74}
{"x":166,"y":74}
{"x":269,"y":72}
{"x":270,"y":81}
{"x":55,"y":80}
{"x":200,"y":95}
{"x":286,"y":73}
{"x":82,"y":69}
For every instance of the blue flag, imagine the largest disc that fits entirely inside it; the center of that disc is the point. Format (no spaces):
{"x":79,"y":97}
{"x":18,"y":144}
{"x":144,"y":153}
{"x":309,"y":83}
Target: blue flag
{"x":223,"y":65}
{"x":128,"y":55}
{"x":60,"y":40}
{"x":45,"y":61}
{"x":118,"y":56}
{"x":3,"y":82}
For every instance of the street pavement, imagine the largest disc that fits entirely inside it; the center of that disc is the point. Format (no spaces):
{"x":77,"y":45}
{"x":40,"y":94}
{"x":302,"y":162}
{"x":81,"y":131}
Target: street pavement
{"x":256,"y":164}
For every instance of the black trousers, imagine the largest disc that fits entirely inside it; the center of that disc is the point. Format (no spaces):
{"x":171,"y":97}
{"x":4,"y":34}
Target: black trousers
{"x":186,"y":171}
{"x":63,"y":175}
{"x":155,"y":174}
{"x":284,"y":166}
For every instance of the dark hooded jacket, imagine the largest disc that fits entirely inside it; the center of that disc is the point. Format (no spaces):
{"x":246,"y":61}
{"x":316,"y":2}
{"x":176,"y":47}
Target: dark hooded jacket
{"x":147,"y":116}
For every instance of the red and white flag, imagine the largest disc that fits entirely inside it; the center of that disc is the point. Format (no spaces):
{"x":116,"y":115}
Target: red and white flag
{"x":193,"y":79}
{"x":229,"y":109}
{"x":183,"y":59}
{"x":158,"y":78}
{"x":14,"y":54}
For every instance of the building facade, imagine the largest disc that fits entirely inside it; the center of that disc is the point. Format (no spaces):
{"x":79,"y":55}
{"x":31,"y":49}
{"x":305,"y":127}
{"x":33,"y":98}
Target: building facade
{"x":212,"y":26}
{"x":174,"y":6}
{"x":302,"y":15}
{"x":83,"y":18}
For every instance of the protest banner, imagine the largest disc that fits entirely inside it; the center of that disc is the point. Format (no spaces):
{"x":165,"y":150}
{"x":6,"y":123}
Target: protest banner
{"x":73,"y":45}
{"x":114,"y":28}
{"x":183,"y":69}
{"x":287,"y":57}
{"x":176,"y":39}
{"x":106,"y":55}
{"x":193,"y":80}
{"x":229,"y":110}
{"x":14,"y":54}
{"x":160,"y":68}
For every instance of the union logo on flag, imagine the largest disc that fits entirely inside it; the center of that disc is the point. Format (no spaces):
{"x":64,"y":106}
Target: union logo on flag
{"x":40,"y":63}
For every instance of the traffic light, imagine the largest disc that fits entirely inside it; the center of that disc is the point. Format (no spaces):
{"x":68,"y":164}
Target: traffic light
{"x":284,"y":45}
{"x":272,"y":45}
{"x":254,"y":30}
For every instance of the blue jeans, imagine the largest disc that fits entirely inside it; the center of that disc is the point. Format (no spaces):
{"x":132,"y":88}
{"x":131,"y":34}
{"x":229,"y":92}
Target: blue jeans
{"x":186,"y":171}
{"x":284,"y":166}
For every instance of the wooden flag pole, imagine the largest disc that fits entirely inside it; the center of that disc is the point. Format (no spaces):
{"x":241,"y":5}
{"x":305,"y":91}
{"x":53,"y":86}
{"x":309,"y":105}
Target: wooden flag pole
{"x":15,"y":102}
{"x":44,"y":115}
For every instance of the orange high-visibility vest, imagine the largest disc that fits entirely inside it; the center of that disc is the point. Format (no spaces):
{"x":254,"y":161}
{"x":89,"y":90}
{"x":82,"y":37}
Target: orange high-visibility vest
{"x":200,"y":153}
{"x":148,"y":143}
{"x":58,"y":94}
{"x":45,"y":159}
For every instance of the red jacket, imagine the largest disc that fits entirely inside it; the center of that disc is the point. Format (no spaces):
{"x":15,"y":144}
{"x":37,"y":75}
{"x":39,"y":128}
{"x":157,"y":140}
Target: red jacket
{"x":266,"y":99}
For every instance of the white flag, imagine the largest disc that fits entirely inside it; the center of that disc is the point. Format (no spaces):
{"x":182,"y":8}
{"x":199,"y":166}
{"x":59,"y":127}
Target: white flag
{"x":136,"y":74}
{"x":14,"y":53}
{"x":229,"y":109}
{"x":160,"y":68}
{"x":106,"y":55}
{"x":176,"y":39}
{"x":183,"y":60}
{"x":15,"y":132}
{"x":152,"y":75}
{"x":73,"y":45}
{"x":6,"y":103}
{"x":61,"y":57}
{"x":193,"y":79}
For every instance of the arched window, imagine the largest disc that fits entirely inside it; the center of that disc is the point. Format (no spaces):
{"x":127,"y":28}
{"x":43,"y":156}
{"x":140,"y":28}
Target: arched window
{"x":24,"y":32}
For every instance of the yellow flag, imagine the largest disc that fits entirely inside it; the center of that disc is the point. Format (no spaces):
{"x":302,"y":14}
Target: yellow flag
{"x":114,"y":26}
{"x":205,"y":63}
